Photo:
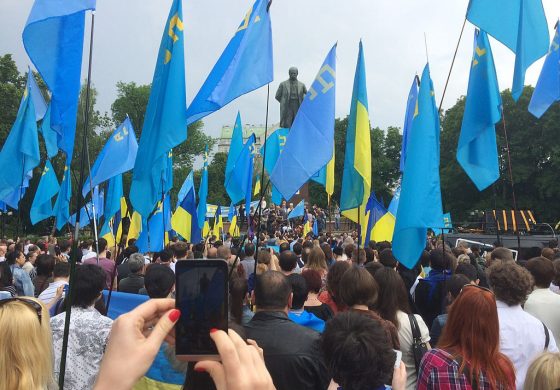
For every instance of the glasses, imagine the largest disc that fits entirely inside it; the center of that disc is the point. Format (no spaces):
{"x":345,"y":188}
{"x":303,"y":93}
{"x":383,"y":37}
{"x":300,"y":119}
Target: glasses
{"x":30,"y":303}
{"x":477,"y":286}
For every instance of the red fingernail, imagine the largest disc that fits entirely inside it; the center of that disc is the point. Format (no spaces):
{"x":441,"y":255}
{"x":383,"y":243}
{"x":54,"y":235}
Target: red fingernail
{"x":174,"y":315}
{"x":199,"y":369}
{"x":213,"y":330}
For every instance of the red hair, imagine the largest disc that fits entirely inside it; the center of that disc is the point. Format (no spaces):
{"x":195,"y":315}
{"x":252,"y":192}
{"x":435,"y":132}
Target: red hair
{"x":472,"y":332}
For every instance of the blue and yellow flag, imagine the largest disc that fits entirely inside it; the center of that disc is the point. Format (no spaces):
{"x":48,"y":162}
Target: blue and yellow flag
{"x":298,"y":211}
{"x":218,"y":223}
{"x":41,"y":208}
{"x":62,"y":206}
{"x":385,"y":226}
{"x":257,"y":189}
{"x":165,"y":123}
{"x":356,"y":177}
{"x":203,"y":192}
{"x":547,"y":90}
{"x":54,"y":38}
{"x":520,"y":25}
{"x":240,"y":179}
{"x":374,"y":212}
{"x":245,"y":64}
{"x":274,"y":146}
{"x":409,"y":115}
{"x":232,"y":216}
{"x":185,"y":220}
{"x":477,"y":152}
{"x":420,"y":198}
{"x":235,"y":146}
{"x":154,"y":237}
{"x":116,"y":157}
{"x":20,"y":153}
{"x":325,"y":176}
{"x":313,"y":125}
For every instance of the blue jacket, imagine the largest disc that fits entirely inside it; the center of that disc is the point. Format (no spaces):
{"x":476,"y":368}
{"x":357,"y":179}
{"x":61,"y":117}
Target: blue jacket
{"x":308,"y":320}
{"x":22,"y":281}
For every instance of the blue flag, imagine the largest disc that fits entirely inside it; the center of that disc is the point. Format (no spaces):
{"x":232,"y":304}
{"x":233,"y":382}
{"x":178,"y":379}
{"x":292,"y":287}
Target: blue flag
{"x":184,"y":220}
{"x":165,"y":123}
{"x":36,"y":95}
{"x":41,"y":208}
{"x":376,"y":211}
{"x":232,"y":212}
{"x":116,"y":157}
{"x":409,"y":115}
{"x":113,"y":197}
{"x":248,"y":176}
{"x":168,"y":174}
{"x":62,"y":206}
{"x":237,"y":181}
{"x":152,"y":238}
{"x":20,"y":153}
{"x":49,"y":134}
{"x":274,"y":145}
{"x":477,"y":151}
{"x":313,"y":125}
{"x":245,"y":64}
{"x":520,"y":25}
{"x":547,"y":90}
{"x":235,"y":146}
{"x":203,"y":192}
{"x":297,"y":211}
{"x":54,"y":38}
{"x":185,"y":188}
{"x":420,"y":197}
{"x":315,"y":228}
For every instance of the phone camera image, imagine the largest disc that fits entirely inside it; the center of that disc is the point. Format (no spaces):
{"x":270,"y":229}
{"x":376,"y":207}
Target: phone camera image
{"x":202,"y":297}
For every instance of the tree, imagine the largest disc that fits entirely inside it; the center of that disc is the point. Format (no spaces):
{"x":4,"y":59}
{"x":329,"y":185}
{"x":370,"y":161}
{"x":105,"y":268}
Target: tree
{"x":11,"y":90}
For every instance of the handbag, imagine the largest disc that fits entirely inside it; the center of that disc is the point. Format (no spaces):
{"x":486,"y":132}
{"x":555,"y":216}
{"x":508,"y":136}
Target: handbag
{"x":419,"y":348}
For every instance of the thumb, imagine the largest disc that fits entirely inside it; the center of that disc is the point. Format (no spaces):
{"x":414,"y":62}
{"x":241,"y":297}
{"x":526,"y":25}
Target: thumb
{"x":216,"y":371}
{"x":163,"y":327}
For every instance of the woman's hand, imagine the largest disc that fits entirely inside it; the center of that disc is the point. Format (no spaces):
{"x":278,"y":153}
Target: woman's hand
{"x":134,"y":342}
{"x":242,"y":364}
{"x":399,"y":378}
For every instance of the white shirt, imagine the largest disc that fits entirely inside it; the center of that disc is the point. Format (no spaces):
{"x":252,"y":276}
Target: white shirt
{"x":545,"y":305}
{"x":89,"y":255}
{"x":522,"y":338}
{"x":50,"y":292}
{"x":405,"y":339}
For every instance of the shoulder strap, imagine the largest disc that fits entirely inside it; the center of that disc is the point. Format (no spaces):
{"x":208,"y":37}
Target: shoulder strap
{"x":547,"y":337}
{"x":414,"y":327}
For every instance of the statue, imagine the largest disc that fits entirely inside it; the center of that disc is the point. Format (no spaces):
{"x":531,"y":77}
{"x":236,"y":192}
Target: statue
{"x":290,"y":94}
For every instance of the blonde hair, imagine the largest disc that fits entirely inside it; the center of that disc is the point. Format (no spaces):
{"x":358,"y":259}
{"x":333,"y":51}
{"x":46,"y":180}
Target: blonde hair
{"x":316,"y":260}
{"x":26,"y":361}
{"x":544,"y":372}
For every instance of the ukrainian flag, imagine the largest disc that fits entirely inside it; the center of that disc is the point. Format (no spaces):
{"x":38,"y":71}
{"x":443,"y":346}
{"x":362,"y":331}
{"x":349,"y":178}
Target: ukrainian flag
{"x":113,"y":229}
{"x":384,"y":228}
{"x":135,"y":225}
{"x":356,"y":179}
{"x":185,"y":220}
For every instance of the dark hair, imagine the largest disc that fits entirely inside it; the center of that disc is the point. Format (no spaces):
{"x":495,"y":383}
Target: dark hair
{"x":387,"y":259}
{"x":66,"y":244}
{"x":45,"y":265}
{"x":456,"y":283}
{"x":6,"y":278}
{"x":11,"y":257}
{"x":370,"y":255}
{"x":89,"y":281}
{"x":338,"y":251}
{"x":101,"y":244}
{"x":440,"y":259}
{"x":272,"y":291}
{"x":556,"y":264}
{"x":468,"y":270}
{"x":180,"y":249}
{"x":349,"y":250}
{"x":357,"y":353}
{"x":548,"y":253}
{"x":542,"y":270}
{"x":333,"y":279}
{"x":358,"y":287}
{"x":284,"y":247}
{"x":359,"y":256}
{"x":510,"y":282}
{"x":165,"y":256}
{"x":159,"y":280}
{"x":503,"y":254}
{"x":313,"y":279}
{"x":249,"y":249}
{"x":238,"y":288}
{"x":297,"y":248}
{"x":392,"y":295}
{"x":287,"y":260}
{"x":373,"y":267}
{"x":327,"y":251}
{"x":61,"y":270}
{"x":299,"y":289}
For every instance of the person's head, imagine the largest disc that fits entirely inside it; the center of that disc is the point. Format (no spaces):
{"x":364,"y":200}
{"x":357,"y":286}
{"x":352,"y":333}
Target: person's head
{"x":387,"y":259}
{"x":3,"y":249}
{"x":45,"y":265}
{"x":272,"y":292}
{"x":293,"y":72}
{"x":510,"y":282}
{"x":333,"y":279}
{"x":61,"y":271}
{"x":440,"y":260}
{"x":316,"y":260}
{"x":372,"y":267}
{"x":284,"y":247}
{"x":472,"y":331}
{"x":212,"y":253}
{"x":136,"y":263}
{"x":370,"y":254}
{"x":542,"y":270}
{"x":180,"y":250}
{"x":544,"y":372}
{"x":287,"y":261}
{"x":349,"y":250}
{"x":299,"y":291}
{"x":454,"y":286}
{"x":6,"y":277}
{"x":548,"y":253}
{"x":463,"y":259}
{"x":358,"y":287}
{"x":359,"y":256}
{"x":469,"y":271}
{"x":88,"y":285}
{"x":298,"y":248}
{"x":224,"y":252}
{"x":26,"y":359}
{"x":326,"y":248}
{"x":15,"y":257}
{"x":249,"y":249}
{"x":102,"y":244}
{"x":238,"y":289}
{"x":159,"y":281}
{"x":392,"y":295}
{"x":556,"y":264}
{"x":313,"y":280}
{"x":502,"y":254}
{"x":357,"y":353}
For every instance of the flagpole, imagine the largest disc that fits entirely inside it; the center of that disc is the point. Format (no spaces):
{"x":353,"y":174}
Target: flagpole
{"x":262,"y":171}
{"x":73,"y":259}
{"x":259,"y":209}
{"x":511,"y":177}
{"x":163,"y":208}
{"x":95,"y":236}
{"x":20,"y":197}
{"x":359,"y":231}
{"x":452,"y":63}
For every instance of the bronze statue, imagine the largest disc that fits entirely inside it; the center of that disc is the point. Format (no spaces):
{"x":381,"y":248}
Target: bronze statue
{"x":290,"y":94}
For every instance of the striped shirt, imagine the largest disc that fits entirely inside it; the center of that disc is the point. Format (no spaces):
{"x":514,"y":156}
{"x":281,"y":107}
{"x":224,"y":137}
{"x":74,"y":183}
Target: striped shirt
{"x":50,"y":292}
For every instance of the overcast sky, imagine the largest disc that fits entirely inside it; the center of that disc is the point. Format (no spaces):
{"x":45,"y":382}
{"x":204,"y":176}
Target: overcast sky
{"x":128,"y":34}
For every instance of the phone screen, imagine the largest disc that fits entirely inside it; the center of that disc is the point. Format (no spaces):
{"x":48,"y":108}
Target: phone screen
{"x":202,"y":297}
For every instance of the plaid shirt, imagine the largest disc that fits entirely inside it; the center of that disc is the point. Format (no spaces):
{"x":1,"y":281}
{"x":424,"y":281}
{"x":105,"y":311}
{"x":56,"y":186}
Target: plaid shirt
{"x":439,"y":370}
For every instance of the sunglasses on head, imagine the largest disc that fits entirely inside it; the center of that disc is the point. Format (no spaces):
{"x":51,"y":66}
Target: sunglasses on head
{"x":30,"y":303}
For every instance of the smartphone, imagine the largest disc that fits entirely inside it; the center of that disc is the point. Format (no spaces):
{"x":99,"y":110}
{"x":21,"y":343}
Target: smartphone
{"x":201,"y":294}
{"x":398,"y":358}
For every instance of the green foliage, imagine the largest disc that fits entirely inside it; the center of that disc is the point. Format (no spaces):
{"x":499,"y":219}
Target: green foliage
{"x":11,"y":89}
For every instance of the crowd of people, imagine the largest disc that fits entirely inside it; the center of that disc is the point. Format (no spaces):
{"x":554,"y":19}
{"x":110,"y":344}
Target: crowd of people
{"x":305,"y":313}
